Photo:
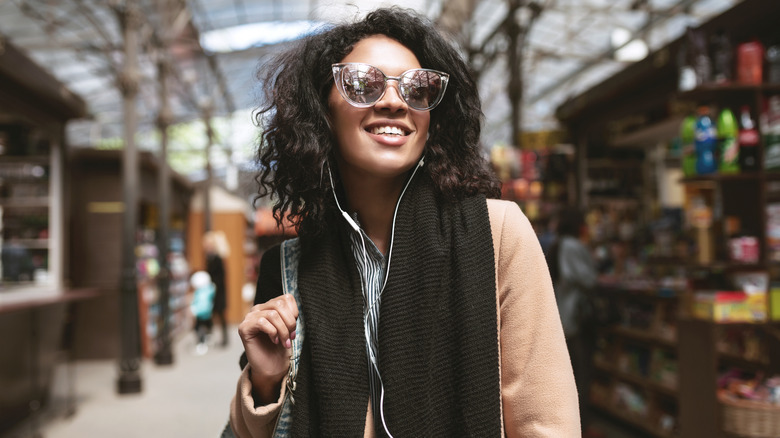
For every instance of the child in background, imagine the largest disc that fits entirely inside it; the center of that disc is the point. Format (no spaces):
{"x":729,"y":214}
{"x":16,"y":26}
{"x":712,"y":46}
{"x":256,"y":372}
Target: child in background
{"x":201,"y":307}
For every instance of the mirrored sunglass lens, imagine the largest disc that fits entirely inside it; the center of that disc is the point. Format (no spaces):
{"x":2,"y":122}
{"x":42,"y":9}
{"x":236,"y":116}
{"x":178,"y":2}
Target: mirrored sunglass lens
{"x":421,"y":88}
{"x":362,"y":84}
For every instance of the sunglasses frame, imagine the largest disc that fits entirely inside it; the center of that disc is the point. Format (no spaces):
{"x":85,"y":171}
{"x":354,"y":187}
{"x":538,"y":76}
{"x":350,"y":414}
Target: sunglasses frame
{"x":338,"y":70}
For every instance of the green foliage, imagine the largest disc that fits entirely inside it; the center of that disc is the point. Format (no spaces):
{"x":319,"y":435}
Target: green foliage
{"x":187,"y":142}
{"x":112,"y":143}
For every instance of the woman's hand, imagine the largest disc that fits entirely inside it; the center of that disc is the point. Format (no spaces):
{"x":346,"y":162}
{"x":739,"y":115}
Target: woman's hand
{"x":267,"y":332}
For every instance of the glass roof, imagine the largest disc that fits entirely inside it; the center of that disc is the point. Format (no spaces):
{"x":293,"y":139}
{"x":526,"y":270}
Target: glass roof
{"x":568,"y":49}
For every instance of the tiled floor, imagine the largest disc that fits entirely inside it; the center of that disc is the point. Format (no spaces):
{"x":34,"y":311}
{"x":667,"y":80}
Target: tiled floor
{"x":187,"y":399}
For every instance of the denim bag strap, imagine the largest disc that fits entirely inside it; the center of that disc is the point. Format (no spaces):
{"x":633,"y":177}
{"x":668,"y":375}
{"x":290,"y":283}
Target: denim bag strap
{"x":289,"y":261}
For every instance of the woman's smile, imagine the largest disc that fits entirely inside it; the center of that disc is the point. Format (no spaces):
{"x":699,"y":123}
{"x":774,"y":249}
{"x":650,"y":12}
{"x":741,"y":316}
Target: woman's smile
{"x":388,"y":132}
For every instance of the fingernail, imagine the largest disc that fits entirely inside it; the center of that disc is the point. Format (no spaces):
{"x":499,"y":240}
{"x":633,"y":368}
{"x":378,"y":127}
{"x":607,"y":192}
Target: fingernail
{"x":287,"y":344}
{"x":276,"y":339}
{"x":292,"y":335}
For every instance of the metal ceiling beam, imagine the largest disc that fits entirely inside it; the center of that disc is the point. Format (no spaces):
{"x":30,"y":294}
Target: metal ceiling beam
{"x":52,"y":26}
{"x":129,"y":380}
{"x":164,"y":353}
{"x":213,"y":64}
{"x":241,"y":11}
{"x":572,"y":31}
{"x":609,"y":53}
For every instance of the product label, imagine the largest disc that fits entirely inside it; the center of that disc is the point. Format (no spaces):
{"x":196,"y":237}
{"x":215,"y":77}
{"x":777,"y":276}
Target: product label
{"x":701,"y":216}
{"x":730,"y":152}
{"x":748,"y":137}
{"x":704,"y":135}
{"x":772,"y":154}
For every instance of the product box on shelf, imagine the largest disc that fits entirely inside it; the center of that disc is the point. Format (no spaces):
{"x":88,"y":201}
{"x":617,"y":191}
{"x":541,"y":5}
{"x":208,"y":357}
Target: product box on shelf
{"x":774,"y":302}
{"x":730,"y":306}
{"x":770,"y":128}
{"x":773,"y":231}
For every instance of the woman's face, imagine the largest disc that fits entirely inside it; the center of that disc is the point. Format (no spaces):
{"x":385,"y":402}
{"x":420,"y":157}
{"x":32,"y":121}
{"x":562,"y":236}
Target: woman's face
{"x":365,"y":148}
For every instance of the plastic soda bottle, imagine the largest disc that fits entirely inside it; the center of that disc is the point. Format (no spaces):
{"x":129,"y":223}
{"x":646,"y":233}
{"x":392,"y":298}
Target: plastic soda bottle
{"x":729,"y":147}
{"x":748,"y":141}
{"x":688,"y":151}
{"x":705,"y":141}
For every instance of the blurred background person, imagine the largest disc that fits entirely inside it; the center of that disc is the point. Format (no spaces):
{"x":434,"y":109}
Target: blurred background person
{"x":573,"y":271}
{"x":217,"y":251}
{"x":201,"y":307}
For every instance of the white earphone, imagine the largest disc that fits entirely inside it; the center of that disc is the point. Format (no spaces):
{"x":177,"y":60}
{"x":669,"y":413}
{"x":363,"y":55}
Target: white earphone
{"x":350,"y":221}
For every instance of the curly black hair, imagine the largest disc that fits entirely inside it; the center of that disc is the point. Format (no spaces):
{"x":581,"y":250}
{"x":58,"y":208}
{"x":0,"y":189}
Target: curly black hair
{"x":297,"y":140}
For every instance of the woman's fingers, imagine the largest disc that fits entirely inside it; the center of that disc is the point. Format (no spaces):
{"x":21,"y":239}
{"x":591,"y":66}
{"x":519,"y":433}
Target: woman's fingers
{"x":281,"y":332}
{"x":276,"y":318}
{"x":265,"y":332}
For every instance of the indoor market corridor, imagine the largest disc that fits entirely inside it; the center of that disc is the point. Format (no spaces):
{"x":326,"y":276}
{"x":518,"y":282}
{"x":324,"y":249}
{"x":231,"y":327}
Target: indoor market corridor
{"x":187,"y":399}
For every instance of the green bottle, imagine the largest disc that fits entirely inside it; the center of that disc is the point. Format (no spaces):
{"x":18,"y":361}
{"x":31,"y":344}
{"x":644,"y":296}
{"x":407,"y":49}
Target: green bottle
{"x":729,"y":146}
{"x":688,"y":150}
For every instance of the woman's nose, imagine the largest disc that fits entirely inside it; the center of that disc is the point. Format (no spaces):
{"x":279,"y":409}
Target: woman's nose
{"x":392,"y":99}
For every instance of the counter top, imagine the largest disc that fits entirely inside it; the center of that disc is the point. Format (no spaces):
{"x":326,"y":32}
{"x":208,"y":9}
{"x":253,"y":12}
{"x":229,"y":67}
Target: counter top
{"x":39,"y":296}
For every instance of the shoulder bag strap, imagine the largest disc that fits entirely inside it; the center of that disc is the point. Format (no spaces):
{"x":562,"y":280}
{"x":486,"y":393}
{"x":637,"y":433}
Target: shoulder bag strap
{"x":289,"y":262}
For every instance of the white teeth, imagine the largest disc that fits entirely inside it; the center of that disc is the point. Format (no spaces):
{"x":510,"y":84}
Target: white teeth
{"x":391,"y":130}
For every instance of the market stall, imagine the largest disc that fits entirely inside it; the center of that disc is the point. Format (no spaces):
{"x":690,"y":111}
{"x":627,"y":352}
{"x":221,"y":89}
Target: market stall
{"x":687,"y":192}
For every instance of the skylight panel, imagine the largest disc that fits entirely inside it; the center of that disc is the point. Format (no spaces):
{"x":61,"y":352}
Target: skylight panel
{"x":245,"y":36}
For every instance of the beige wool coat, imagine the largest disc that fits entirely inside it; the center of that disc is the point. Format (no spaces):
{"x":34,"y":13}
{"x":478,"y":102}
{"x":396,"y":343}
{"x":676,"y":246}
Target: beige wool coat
{"x":538,"y":394}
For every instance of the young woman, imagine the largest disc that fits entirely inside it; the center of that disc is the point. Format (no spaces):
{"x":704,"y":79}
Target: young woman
{"x":429,"y":310}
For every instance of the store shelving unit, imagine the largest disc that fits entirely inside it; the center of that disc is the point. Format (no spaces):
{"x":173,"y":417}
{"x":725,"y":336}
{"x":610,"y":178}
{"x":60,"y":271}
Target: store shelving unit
{"x":641,"y":107}
{"x":179,"y":318}
{"x":635,"y":364}
{"x":703,"y":344}
{"x":37,"y":304}
{"x":24,"y":217}
{"x":696,"y":345}
{"x":96,"y":198}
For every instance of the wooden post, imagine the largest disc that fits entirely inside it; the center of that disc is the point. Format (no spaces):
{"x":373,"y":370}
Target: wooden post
{"x":698,"y":375}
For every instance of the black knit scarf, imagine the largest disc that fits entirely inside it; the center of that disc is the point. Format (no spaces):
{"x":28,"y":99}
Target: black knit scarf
{"x":438,"y":350}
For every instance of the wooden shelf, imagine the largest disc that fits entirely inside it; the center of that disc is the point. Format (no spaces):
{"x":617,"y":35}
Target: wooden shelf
{"x":730,"y":266}
{"x":650,"y":135}
{"x":25,"y":159}
{"x":610,"y":164}
{"x":725,"y":177}
{"x":636,"y":379}
{"x":742,"y":362}
{"x":713,"y":92}
{"x":34,"y":243}
{"x":633,"y":292}
{"x":773,"y":198}
{"x":644,"y":336}
{"x":770,"y":323}
{"x":613,"y":200}
{"x":665,"y":260}
{"x":38,"y":202}
{"x":633,"y":420}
